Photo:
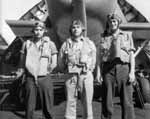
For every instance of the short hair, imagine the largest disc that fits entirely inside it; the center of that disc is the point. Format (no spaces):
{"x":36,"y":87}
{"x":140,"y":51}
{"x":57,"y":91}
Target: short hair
{"x":76,"y":22}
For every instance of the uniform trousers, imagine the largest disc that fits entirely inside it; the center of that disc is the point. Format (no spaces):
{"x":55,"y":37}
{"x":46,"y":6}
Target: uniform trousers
{"x":45,"y":89}
{"x":117,"y":74}
{"x":85,"y":86}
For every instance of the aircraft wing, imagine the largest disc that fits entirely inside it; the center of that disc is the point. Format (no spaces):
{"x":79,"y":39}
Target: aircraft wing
{"x":21,"y":27}
{"x":13,"y":9}
{"x":143,"y":6}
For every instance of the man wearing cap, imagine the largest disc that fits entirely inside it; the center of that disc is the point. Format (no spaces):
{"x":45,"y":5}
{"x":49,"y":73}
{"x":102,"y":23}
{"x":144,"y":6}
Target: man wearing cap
{"x":77,"y":57}
{"x":38,"y":59}
{"x":118,"y":68}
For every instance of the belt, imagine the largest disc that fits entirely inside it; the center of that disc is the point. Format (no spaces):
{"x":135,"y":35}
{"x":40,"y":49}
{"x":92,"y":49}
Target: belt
{"x":116,"y":61}
{"x":42,"y":76}
{"x":108,"y":65}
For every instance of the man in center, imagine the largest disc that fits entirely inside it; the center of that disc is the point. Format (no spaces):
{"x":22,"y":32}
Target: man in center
{"x":78,"y":57}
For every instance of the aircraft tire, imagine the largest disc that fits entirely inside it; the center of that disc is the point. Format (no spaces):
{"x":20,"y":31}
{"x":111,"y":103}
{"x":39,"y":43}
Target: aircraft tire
{"x":145,"y":89}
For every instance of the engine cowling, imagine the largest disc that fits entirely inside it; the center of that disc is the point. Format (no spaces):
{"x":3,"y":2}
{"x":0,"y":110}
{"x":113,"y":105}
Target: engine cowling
{"x":61,"y":11}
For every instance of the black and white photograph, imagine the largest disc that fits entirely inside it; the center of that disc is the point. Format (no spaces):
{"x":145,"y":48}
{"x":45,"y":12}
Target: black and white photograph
{"x":74,"y":59}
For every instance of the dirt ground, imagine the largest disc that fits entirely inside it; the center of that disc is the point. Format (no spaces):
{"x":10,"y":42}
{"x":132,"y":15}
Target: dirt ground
{"x":11,"y":108}
{"x":59,"y":110}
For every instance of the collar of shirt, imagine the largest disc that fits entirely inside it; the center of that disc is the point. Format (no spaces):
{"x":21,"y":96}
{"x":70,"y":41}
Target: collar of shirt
{"x":78,"y":44}
{"x":107,"y":34}
{"x":41,"y":42}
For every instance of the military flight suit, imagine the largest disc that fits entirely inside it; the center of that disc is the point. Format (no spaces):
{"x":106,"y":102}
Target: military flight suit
{"x":79,"y":59}
{"x":115,"y":54}
{"x":36,"y":59}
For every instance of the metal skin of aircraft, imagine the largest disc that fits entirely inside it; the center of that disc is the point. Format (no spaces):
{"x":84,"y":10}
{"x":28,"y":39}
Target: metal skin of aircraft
{"x":91,"y":12}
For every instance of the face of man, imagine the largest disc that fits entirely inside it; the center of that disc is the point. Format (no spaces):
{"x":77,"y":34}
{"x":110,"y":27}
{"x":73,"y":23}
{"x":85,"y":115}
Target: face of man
{"x":38,"y":32}
{"x":113,"y":24}
{"x":76,"y":30}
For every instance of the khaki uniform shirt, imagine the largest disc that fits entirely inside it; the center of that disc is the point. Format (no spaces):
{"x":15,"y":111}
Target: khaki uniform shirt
{"x":116,"y":46}
{"x":39,"y":56}
{"x":72,"y":55}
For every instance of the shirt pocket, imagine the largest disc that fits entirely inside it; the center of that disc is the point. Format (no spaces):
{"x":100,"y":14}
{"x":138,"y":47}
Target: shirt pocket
{"x":73,"y":56}
{"x":46,"y":52}
{"x":125,"y":43}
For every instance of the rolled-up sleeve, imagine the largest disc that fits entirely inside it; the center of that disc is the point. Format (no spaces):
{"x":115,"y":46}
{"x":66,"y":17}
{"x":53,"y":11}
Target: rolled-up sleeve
{"x":53,"y":48}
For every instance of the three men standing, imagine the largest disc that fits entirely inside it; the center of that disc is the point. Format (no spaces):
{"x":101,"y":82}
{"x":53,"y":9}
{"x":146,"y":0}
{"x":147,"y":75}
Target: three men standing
{"x":78,"y":57}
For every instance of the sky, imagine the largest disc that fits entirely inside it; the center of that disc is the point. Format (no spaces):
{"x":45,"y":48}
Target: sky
{"x":13,"y":10}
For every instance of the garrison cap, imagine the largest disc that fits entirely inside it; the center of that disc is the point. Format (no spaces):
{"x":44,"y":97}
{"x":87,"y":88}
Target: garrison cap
{"x":39,"y":24}
{"x":114,"y":16}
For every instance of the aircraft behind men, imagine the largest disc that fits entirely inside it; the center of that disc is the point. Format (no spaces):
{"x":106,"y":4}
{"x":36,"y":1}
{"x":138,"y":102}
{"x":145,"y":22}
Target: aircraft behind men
{"x":91,"y":12}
